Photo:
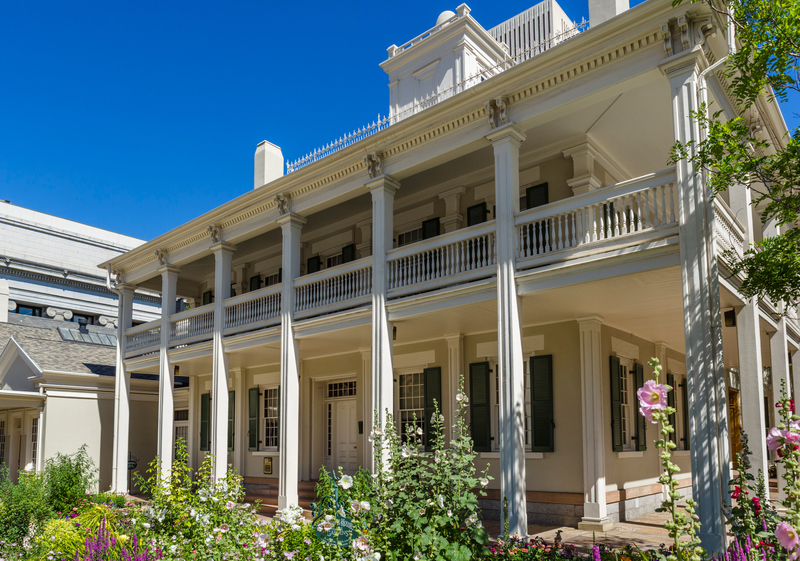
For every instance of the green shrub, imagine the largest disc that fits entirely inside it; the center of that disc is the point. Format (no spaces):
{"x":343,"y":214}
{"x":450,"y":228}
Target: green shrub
{"x":22,"y":506}
{"x":68,"y":478}
{"x":59,"y":538}
{"x":116,"y":500}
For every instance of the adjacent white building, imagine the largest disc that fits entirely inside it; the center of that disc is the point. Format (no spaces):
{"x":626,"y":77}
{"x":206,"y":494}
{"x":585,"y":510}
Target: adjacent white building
{"x":58,"y":338}
{"x":523,"y":232}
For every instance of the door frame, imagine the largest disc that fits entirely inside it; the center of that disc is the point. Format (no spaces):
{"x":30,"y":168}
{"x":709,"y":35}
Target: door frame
{"x":329,"y":422}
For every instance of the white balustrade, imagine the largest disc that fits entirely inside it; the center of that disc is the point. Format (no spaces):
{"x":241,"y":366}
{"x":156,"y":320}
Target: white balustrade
{"x":253,"y":310}
{"x":727,"y":230}
{"x":449,"y":255}
{"x":141,"y":338}
{"x":192,"y":325}
{"x":330,"y":288}
{"x":645,"y":204}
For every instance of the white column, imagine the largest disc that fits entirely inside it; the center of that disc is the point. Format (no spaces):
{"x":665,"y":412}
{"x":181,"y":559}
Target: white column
{"x":39,"y":459}
{"x":122,"y":394}
{"x":166,"y":372}
{"x":710,"y":450}
{"x":510,"y":364}
{"x":455,"y":369}
{"x":748,"y":338}
{"x":220,"y":379}
{"x":289,"y":468}
{"x":452,"y":206}
{"x":595,"y":512}
{"x":383,"y":189}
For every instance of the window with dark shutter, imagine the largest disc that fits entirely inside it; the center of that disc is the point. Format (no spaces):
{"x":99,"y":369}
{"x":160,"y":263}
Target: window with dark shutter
{"x":208,"y":297}
{"x":538,"y":195}
{"x":313,"y":264}
{"x":541,"y":370}
{"x":252,"y":419}
{"x":433,"y":399}
{"x":205,"y":415}
{"x":231,"y":419}
{"x":430,"y":228}
{"x":641,"y":421}
{"x":616,"y":406}
{"x":255,"y":282}
{"x":476,"y":214}
{"x":349,"y":253}
{"x":671,"y":403}
{"x":480,"y":407}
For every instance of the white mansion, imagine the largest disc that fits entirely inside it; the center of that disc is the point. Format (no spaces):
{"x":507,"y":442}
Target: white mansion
{"x":512,"y":222}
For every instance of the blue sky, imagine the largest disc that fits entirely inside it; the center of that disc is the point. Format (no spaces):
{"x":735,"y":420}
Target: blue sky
{"x":139,"y":116}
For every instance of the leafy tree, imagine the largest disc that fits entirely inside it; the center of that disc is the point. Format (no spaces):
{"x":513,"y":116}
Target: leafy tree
{"x":765,"y":64}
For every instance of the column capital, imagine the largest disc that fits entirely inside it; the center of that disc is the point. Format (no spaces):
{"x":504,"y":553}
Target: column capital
{"x":128,"y":289}
{"x":291,"y":219}
{"x":453,"y":339}
{"x":590,"y":323}
{"x":507,"y":133}
{"x":223,"y":248}
{"x":684,"y":63}
{"x":455,"y":191}
{"x":169,"y":270}
{"x":383,"y":183}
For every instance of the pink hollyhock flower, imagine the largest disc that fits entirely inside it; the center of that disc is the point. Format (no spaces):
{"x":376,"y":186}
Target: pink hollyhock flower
{"x":787,"y":536}
{"x":652,"y":397}
{"x":774,"y":438}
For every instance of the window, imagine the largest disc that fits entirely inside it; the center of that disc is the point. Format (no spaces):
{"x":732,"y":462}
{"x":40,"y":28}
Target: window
{"x":34,"y":440}
{"x":342,"y":389}
{"x":412,"y":401}
{"x":495,"y":391}
{"x":329,"y":436}
{"x":181,"y":427}
{"x":536,"y":196}
{"x":271,"y":417}
{"x":409,"y":237}
{"x":430,"y":228}
{"x":333,"y":261}
{"x":626,"y":390}
{"x":34,"y":311}
{"x":476,"y":214}
{"x":2,"y":442}
{"x":628,"y":425}
{"x":273,"y":279}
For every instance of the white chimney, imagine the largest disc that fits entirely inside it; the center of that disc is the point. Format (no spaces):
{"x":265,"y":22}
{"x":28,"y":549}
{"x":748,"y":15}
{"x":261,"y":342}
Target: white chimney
{"x":602,"y":10}
{"x":269,"y":164}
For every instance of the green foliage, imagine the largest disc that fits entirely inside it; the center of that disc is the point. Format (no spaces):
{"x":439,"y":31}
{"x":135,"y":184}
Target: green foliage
{"x":59,"y":538}
{"x":68,"y":478}
{"x":425,"y":504}
{"x":23,"y":507}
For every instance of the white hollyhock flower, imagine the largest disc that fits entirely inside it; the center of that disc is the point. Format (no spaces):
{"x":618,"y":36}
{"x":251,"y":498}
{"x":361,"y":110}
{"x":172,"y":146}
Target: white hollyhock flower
{"x":346,"y":482}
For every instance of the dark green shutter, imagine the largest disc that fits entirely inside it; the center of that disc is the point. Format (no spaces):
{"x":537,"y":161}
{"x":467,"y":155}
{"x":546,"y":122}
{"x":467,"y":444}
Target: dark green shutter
{"x":205,"y":413}
{"x":252,"y":418}
{"x":616,"y":406}
{"x":208,"y":297}
{"x":480,"y":407}
{"x":349,"y":253}
{"x":641,"y":421}
{"x":541,"y":368}
{"x":671,"y":403}
{"x":476,"y":214}
{"x":433,"y":399}
{"x":313,"y":264}
{"x":430,"y":228}
{"x":255,"y":282}
{"x":231,"y":418}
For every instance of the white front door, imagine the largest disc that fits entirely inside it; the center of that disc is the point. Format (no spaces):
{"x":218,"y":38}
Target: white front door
{"x":346,"y":430}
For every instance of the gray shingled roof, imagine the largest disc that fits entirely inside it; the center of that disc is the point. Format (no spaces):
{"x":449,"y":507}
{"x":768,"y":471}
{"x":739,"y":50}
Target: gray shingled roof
{"x":50,"y":351}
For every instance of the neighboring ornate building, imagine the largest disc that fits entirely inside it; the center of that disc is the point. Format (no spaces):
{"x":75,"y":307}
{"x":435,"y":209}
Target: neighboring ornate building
{"x":58,"y":341}
{"x":517,"y":228}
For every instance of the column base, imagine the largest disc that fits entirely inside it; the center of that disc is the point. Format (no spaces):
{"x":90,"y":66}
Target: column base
{"x":595,"y":524}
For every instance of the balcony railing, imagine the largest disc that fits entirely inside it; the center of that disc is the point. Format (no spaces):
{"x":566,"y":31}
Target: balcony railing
{"x":253,"y":310}
{"x":191,"y":326}
{"x":143,"y":339}
{"x":613,"y":216}
{"x":459,"y":256}
{"x":334,"y":289}
{"x":728,"y":232}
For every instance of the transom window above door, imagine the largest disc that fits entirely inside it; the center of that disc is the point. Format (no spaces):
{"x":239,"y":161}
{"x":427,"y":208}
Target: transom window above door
{"x":342,"y":389}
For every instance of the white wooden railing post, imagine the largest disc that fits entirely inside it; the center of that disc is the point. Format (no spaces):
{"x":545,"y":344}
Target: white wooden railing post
{"x":710,"y":450}
{"x":383,"y":189}
{"x":166,"y":373}
{"x":510,"y":366}
{"x":223,"y":255}
{"x":289,"y":466}
{"x":122,"y":393}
